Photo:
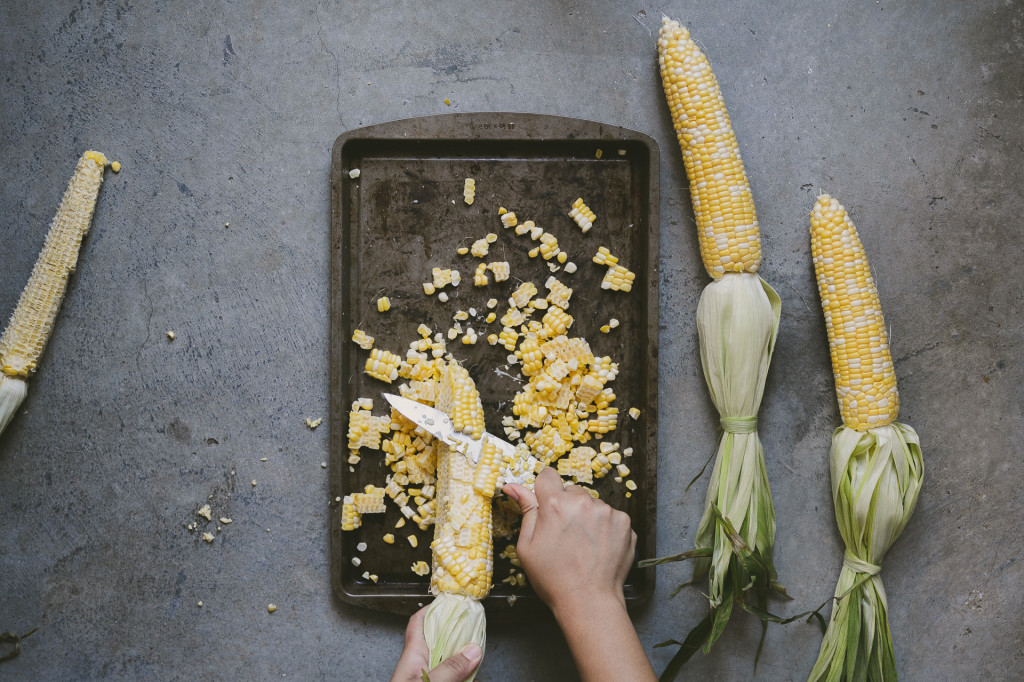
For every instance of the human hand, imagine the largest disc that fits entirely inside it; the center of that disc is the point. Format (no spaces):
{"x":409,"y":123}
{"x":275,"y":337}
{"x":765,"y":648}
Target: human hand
{"x":415,"y":658}
{"x":576,"y":550}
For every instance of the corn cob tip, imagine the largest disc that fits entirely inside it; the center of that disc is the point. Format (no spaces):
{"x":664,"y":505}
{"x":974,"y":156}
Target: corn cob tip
{"x":98,"y":157}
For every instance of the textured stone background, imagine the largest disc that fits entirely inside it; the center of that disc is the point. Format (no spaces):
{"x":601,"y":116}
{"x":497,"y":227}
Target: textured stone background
{"x":909,"y":113}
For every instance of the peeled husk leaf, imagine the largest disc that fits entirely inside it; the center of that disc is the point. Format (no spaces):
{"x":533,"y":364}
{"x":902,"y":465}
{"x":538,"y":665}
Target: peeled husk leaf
{"x":876,"y":477}
{"x":12,"y":393}
{"x":737,"y":323}
{"x":452,"y":621}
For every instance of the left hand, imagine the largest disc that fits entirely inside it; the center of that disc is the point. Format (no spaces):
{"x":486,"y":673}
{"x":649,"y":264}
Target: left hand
{"x":416,"y":657}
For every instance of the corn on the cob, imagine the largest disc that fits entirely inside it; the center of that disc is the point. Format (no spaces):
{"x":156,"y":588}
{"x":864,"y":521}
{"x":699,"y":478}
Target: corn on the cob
{"x":875,"y":462}
{"x":727,"y":228}
{"x":861,"y":362}
{"x":737,"y":322}
{"x":462,"y":548}
{"x":25,"y":337}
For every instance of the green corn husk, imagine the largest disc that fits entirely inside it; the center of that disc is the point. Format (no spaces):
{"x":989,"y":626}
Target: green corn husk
{"x":737,"y":322}
{"x":876,"y":478}
{"x":452,"y":621}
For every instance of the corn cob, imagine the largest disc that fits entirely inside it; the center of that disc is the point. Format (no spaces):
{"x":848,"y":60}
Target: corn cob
{"x":26,"y":335}
{"x":861,"y":363}
{"x":727,"y":228}
{"x":737,"y":322}
{"x":462,"y":547}
{"x":875,"y":462}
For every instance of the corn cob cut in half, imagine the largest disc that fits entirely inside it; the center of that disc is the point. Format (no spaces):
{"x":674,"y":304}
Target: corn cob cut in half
{"x":727,"y":228}
{"x":462,"y":549}
{"x":24,"y":340}
{"x":876,"y":464}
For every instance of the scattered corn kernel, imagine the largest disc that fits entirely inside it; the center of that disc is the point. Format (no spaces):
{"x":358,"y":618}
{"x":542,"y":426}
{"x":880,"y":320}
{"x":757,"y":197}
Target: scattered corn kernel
{"x":271,"y":608}
{"x":389,"y":538}
{"x":116,"y":166}
{"x":443,"y":297}
{"x":413,"y":540}
{"x":383,"y":304}
{"x":480,"y":276}
{"x":354,"y":173}
{"x":204,"y":511}
{"x":634,"y":412}
{"x":582,"y":214}
{"x":208,"y":537}
{"x":631,"y":484}
{"x":170,"y":335}
{"x":462,"y":251}
{"x":480,"y":247}
{"x":362,"y":339}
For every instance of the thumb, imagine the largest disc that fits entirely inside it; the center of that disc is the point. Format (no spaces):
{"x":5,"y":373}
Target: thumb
{"x":528,"y":506}
{"x":458,"y":667}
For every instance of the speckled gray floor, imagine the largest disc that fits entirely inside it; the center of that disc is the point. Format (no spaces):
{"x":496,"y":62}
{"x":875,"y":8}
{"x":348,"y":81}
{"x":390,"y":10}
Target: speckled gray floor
{"x":909,"y":113}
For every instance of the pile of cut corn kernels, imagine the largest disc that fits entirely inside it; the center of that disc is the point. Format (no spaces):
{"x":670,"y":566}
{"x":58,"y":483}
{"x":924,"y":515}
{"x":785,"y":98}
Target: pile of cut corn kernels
{"x":564,"y":402}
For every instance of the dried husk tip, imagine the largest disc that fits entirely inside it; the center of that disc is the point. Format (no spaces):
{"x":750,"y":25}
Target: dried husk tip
{"x":452,"y":621}
{"x":12,"y":393}
{"x":876,"y":477}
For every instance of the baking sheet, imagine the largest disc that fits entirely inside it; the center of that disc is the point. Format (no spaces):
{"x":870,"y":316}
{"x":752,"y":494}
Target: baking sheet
{"x":404,"y":215}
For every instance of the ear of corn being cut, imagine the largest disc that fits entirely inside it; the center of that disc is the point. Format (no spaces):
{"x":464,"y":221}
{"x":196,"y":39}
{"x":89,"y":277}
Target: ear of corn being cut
{"x":737,"y":322}
{"x":25,"y":338}
{"x":462,"y":547}
{"x":876,"y":463}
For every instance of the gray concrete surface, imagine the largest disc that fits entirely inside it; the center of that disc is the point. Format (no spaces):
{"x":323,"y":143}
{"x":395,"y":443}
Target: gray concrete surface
{"x":909,"y":113}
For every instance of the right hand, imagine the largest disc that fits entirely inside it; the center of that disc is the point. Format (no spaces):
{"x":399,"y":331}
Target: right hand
{"x":575,"y":549}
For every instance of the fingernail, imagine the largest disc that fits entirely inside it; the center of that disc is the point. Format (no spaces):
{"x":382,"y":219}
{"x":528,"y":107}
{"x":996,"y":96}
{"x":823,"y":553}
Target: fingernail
{"x":472,"y":653}
{"x":511,"y":490}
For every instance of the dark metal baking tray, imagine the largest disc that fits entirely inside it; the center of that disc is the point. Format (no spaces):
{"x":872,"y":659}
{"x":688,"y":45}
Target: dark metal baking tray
{"x":403,"y":215}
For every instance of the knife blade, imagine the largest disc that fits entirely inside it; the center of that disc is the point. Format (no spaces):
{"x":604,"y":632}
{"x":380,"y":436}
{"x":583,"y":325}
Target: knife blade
{"x":439,"y":425}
